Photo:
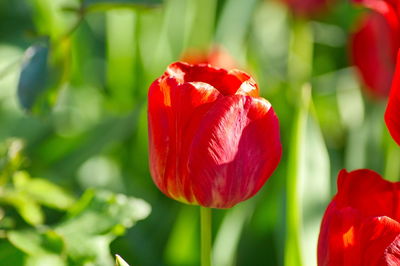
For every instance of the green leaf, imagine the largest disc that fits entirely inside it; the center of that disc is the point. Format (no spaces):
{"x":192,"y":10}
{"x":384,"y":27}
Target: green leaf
{"x":228,"y":236}
{"x":233,"y":25}
{"x":43,"y":192}
{"x":293,"y":205}
{"x":28,"y":194}
{"x":35,"y":243}
{"x":308,"y":184}
{"x":29,"y":210}
{"x":104,"y":5}
{"x":96,"y":220}
{"x":45,"y":69}
{"x":85,"y":235}
{"x":32,"y":80}
{"x":314,"y":188}
{"x":98,"y":212}
{"x":120,"y":261}
{"x":45,"y":260}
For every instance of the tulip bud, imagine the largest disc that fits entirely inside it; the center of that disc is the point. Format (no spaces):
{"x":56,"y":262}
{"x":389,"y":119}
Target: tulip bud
{"x":361,"y":224}
{"x":392,"y":114}
{"x":212,"y":140}
{"x":217,"y":56}
{"x":306,"y":8}
{"x":374,"y":45}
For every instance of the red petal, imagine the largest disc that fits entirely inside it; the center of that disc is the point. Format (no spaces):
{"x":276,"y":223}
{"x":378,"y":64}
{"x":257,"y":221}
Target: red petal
{"x":170,"y":109}
{"x":235,"y":149}
{"x":337,"y":244}
{"x":392,"y":253}
{"x":367,"y":192}
{"x":226,"y":82}
{"x":378,"y":5}
{"x":348,"y":238}
{"x":375,"y":236}
{"x":306,"y":7}
{"x":374,"y":47}
{"x":360,"y":225}
{"x":217,"y":56}
{"x":392,"y":114}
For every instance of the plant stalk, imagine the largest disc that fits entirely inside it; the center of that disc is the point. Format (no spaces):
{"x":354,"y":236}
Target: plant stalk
{"x":205,"y":224}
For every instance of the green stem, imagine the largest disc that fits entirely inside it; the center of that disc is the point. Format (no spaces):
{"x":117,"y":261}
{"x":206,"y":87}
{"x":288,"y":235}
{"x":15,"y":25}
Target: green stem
{"x":205,"y":221}
{"x":392,"y":166}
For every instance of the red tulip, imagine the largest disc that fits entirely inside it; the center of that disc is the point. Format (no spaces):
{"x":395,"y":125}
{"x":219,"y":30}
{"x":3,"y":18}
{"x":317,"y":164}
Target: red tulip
{"x":306,"y":8}
{"x":212,"y":140}
{"x":375,"y":43}
{"x":392,"y":114}
{"x":217,"y":56}
{"x":361,"y":224}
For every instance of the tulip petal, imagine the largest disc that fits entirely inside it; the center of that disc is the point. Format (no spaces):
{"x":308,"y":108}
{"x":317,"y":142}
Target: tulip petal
{"x":235,"y":149}
{"x":380,"y":6}
{"x":392,"y":253}
{"x":337,"y":243}
{"x":392,"y":114}
{"x":226,"y":82}
{"x":375,"y":236}
{"x":307,"y":7}
{"x":170,"y":109}
{"x":367,"y":192}
{"x":217,"y":56}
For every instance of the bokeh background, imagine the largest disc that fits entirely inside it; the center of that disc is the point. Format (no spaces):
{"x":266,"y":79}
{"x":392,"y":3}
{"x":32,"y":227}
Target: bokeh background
{"x":74,"y":174}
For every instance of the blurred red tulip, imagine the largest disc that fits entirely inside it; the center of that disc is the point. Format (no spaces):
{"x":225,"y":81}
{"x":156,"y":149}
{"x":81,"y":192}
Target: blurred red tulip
{"x":361,"y":224}
{"x":306,"y":8}
{"x":392,"y":114}
{"x":217,"y":57}
{"x":212,"y":140}
{"x":375,"y":43}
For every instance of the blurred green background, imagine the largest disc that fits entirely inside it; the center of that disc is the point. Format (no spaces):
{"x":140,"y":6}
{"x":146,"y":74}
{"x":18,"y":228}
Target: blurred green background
{"x":73,"y":129}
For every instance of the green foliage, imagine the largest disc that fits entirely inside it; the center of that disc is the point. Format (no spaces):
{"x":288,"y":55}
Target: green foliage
{"x":44,"y":70}
{"x":103,"y":5}
{"x":85,"y":234}
{"x":82,"y":236}
{"x":33,"y":75}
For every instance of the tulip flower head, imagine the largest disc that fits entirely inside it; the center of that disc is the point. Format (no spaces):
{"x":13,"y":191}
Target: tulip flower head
{"x":361,"y":224}
{"x":212,"y":140}
{"x":216,"y":56}
{"x":306,"y":8}
{"x":392,"y":114}
{"x":375,"y":43}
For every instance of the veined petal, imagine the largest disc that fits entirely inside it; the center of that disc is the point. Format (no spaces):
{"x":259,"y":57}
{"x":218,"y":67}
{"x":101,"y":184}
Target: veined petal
{"x":375,"y":236}
{"x":235,"y":150}
{"x":392,"y":253}
{"x":170,"y":109}
{"x":392,"y":114}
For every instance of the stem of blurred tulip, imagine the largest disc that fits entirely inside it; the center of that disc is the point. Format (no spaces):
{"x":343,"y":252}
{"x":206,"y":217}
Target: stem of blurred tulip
{"x":392,"y":166}
{"x":299,"y":73}
{"x":205,"y":221}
